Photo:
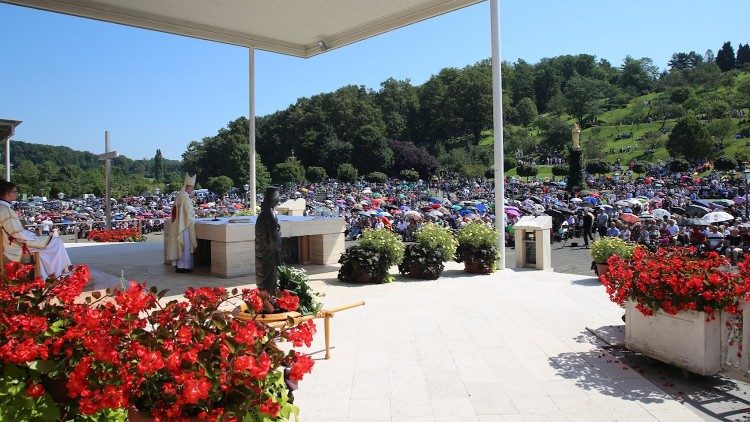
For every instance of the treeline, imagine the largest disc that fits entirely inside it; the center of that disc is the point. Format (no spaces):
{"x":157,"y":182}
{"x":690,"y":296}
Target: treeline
{"x":442,"y":124}
{"x":46,"y":170}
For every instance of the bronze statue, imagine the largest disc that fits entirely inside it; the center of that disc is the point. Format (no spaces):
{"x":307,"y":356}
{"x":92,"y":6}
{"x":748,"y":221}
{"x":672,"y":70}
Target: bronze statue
{"x":268,"y":243}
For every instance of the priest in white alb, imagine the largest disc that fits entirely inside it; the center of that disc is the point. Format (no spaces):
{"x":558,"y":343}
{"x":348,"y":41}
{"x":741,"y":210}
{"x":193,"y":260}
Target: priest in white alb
{"x":52,"y":254}
{"x":181,"y":242}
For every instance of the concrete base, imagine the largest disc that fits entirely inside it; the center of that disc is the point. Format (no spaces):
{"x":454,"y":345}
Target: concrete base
{"x":685,"y":340}
{"x":233,"y":241}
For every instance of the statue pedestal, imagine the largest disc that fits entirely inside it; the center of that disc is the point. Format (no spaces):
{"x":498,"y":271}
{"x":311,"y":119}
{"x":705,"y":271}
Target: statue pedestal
{"x":232,"y":241}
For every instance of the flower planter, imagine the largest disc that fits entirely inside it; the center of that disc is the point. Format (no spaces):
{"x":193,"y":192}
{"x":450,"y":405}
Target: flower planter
{"x":476,"y":266}
{"x":685,"y":340}
{"x":418,"y":271}
{"x":602,"y":270}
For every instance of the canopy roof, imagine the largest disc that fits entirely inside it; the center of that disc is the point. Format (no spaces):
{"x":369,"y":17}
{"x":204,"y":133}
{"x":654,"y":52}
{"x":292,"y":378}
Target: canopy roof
{"x":300,"y":28}
{"x":7,"y":127}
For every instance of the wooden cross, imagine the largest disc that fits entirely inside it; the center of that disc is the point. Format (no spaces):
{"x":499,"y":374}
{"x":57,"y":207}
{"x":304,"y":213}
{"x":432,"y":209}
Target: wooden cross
{"x":107,"y":158}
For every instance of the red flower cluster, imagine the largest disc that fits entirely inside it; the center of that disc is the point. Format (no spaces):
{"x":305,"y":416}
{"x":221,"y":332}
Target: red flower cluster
{"x":116,"y":235}
{"x":287,"y":301}
{"x":125,"y":349}
{"x":675,"y":279}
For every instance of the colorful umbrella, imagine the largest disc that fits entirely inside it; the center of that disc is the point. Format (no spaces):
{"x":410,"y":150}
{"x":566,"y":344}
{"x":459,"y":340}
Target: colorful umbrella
{"x":717,"y":217}
{"x":629,"y":218}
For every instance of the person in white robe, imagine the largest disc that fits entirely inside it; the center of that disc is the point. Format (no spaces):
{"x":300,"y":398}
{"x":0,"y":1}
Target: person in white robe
{"x":52,"y":254}
{"x":181,"y":242}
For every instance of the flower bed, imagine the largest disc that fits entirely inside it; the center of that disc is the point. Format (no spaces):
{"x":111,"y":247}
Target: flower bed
{"x":116,"y":235}
{"x":124,"y":350}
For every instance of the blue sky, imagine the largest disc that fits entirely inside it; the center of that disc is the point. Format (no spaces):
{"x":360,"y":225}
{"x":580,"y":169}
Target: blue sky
{"x":70,"y":79}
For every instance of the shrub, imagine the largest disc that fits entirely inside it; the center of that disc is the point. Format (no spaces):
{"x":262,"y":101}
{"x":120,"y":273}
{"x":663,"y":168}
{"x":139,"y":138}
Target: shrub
{"x":602,"y":249}
{"x":477,"y":242}
{"x":440,"y":238}
{"x":316,"y":174}
{"x":678,"y":165}
{"x":597,"y":167}
{"x":219,"y":185}
{"x":560,"y":170}
{"x":376,"y":177}
{"x":409,"y":175}
{"x":290,"y":171}
{"x":296,"y":281}
{"x":347,"y":173}
{"x":725,"y":163}
{"x":425,"y":258}
{"x":527,"y":170}
{"x":370,"y":261}
{"x":640,"y":167}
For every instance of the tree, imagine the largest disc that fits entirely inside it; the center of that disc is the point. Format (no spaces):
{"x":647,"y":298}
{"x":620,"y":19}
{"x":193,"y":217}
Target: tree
{"x":680,"y":94}
{"x":640,"y":167}
{"x":376,"y":177}
{"x":407,"y":155}
{"x":581,"y":97}
{"x":518,"y":138}
{"x":158,"y":166}
{"x":743,"y":56}
{"x":556,"y":103}
{"x":316,"y":174}
{"x":682,"y":61}
{"x":598,"y":167}
{"x":555,"y":134}
{"x":219,"y":185}
{"x":526,"y":111}
{"x":409,"y":175}
{"x":725,"y":57}
{"x":678,"y":165}
{"x":527,"y":170}
{"x":560,"y":170}
{"x":689,"y":139}
{"x":290,"y":171}
{"x":720,"y":129}
{"x":725,"y":163}
{"x":637,"y":76}
{"x":347,"y":173}
{"x":373,"y":153}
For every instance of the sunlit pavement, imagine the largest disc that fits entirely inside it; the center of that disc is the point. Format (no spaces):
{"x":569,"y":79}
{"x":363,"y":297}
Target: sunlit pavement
{"x":513,"y":345}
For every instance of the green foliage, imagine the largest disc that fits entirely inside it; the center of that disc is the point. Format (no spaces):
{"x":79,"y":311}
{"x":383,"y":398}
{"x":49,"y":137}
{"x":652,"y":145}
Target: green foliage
{"x":220,"y":185}
{"x":477,"y":235}
{"x":555,"y":133}
{"x":526,"y":111}
{"x":347,"y":173}
{"x":678,"y":165}
{"x":386,"y":242}
{"x":422,"y":262}
{"x":527,"y":170}
{"x":16,"y":405}
{"x":296,"y":281}
{"x":742,"y":157}
{"x":639,"y":167}
{"x":376,"y":177}
{"x":725,"y":163}
{"x":598,"y":167}
{"x":371,"y":260}
{"x":158,"y":166}
{"x":435,"y":237}
{"x":603,"y":248}
{"x":316,"y":174}
{"x":290,"y":171}
{"x":561,"y":170}
{"x":409,"y":175}
{"x":725,"y":57}
{"x":689,"y":139}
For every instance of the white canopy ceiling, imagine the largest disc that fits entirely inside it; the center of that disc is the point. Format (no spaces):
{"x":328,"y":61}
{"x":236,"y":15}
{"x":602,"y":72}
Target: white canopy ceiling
{"x":294,"y":27}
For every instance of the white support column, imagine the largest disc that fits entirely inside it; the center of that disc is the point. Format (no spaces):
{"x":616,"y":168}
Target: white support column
{"x":251,"y":131}
{"x":497,"y":126}
{"x":7,"y":160}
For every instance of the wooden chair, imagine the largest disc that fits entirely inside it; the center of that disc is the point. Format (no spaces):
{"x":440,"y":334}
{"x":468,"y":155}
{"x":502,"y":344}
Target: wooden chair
{"x":33,"y":259}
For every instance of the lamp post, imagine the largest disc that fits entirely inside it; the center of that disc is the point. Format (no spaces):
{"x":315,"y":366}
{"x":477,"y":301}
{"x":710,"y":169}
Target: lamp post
{"x":247,"y":188}
{"x":157,"y":191}
{"x":746,"y":175}
{"x":60,"y":195}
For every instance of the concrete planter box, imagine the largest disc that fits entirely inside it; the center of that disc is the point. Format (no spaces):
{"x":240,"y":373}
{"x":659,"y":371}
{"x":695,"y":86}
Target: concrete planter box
{"x":685,"y":340}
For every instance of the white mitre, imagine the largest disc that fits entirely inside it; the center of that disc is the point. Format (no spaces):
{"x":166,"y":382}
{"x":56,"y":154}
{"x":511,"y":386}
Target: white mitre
{"x":189,"y":180}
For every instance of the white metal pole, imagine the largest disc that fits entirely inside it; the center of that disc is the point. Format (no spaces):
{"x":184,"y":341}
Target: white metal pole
{"x":107,"y":183}
{"x":251,"y":131}
{"x":497,"y":126}
{"x":7,"y":160}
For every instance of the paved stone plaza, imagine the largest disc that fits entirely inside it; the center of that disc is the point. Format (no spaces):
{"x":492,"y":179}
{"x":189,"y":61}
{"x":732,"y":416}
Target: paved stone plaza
{"x":514,"y":345}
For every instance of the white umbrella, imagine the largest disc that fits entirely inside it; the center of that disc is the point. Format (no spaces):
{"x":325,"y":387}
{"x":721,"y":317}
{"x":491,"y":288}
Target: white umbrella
{"x":660,"y":213}
{"x":717,"y":217}
{"x":576,"y":200}
{"x":622,"y":203}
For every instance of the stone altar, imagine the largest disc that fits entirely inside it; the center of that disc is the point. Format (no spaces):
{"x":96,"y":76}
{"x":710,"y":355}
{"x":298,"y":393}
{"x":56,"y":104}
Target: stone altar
{"x":232,"y":239}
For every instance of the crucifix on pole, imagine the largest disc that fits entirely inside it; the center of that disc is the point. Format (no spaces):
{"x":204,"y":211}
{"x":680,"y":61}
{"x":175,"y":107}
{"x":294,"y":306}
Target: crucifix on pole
{"x":107,"y":158}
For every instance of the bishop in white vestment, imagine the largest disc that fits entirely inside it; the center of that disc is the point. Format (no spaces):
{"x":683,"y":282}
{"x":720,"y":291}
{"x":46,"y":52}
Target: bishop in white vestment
{"x":181,"y":242}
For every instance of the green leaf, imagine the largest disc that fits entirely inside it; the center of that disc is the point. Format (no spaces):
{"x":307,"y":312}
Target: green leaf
{"x":42,"y":366}
{"x":218,"y":322}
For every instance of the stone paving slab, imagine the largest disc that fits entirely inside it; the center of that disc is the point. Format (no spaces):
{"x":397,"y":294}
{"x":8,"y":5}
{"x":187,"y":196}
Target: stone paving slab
{"x":508,"y":346}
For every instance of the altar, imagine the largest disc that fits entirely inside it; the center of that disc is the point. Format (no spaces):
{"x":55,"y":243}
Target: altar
{"x":228,"y":243}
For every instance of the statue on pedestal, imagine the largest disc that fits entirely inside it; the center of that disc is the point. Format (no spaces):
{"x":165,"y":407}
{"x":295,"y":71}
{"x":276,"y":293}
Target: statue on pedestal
{"x":268,"y":243}
{"x":575,"y":163}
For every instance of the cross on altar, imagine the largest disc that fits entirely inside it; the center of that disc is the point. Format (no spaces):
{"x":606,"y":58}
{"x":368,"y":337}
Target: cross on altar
{"x":107,"y":158}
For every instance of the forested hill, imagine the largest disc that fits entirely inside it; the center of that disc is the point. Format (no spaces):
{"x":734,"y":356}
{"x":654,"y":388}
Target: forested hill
{"x":444,"y":124}
{"x":46,"y":170}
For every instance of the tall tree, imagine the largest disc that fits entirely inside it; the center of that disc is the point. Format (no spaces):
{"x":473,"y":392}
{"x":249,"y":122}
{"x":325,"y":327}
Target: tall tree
{"x":158,"y":166}
{"x":725,"y":57}
{"x":743,"y":55}
{"x":689,"y":139}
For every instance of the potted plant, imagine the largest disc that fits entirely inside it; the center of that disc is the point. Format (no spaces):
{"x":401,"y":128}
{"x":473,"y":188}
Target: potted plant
{"x":370,"y":261}
{"x":477,"y":247}
{"x":292,"y":282}
{"x":671,"y":299}
{"x":196,"y":361}
{"x":424,"y":259}
{"x":604,"y":248}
